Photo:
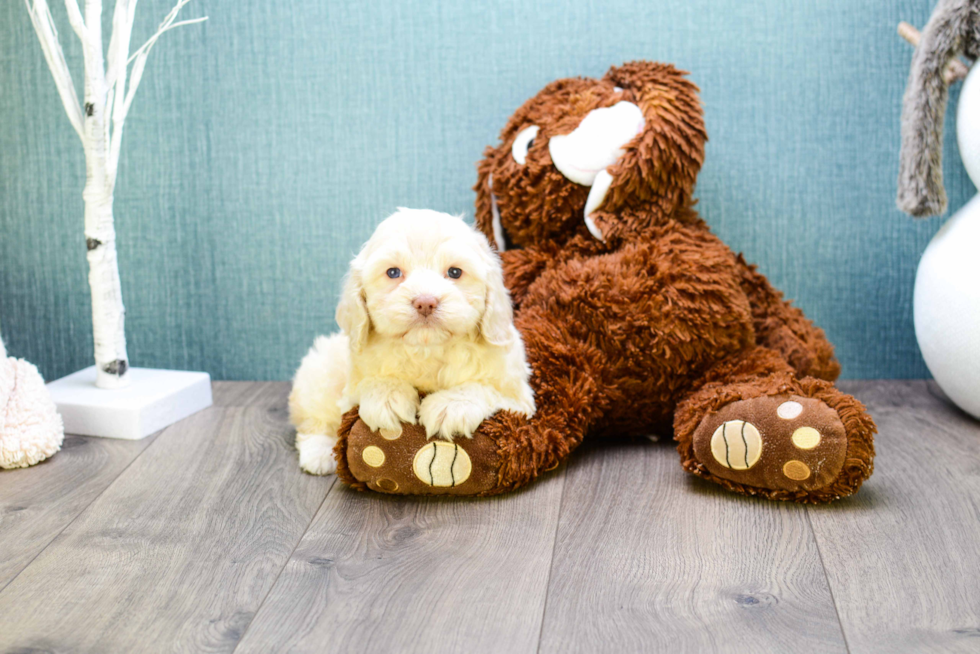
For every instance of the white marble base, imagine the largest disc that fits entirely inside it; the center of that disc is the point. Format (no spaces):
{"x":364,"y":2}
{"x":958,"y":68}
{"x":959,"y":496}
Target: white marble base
{"x":153,"y":400}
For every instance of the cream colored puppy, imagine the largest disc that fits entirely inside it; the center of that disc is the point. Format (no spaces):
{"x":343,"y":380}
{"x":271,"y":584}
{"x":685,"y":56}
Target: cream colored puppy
{"x":424,"y":309}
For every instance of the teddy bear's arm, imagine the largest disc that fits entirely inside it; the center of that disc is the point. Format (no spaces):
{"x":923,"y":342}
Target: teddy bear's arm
{"x":523,"y":266}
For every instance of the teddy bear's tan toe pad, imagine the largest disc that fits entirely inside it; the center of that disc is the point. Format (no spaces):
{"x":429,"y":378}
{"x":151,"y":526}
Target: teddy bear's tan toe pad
{"x":405,"y":462}
{"x":781,"y":442}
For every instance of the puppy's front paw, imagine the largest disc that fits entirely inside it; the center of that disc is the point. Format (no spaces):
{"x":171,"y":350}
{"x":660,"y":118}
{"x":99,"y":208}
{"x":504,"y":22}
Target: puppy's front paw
{"x":449,"y":413}
{"x":387,"y":405}
{"x":316,"y":453}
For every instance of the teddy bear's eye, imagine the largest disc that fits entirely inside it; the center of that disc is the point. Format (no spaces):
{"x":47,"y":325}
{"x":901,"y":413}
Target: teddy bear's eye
{"x":394,"y":273}
{"x":454,"y":273}
{"x":523,"y":143}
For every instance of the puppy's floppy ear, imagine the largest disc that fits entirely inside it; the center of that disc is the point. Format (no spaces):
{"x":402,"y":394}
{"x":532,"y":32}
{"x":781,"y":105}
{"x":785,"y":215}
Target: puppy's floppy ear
{"x":352,"y":313}
{"x":498,"y":314}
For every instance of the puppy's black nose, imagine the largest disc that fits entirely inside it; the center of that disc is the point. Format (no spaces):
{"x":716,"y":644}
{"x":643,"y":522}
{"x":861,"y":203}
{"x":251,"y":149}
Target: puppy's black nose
{"x":425,"y":305}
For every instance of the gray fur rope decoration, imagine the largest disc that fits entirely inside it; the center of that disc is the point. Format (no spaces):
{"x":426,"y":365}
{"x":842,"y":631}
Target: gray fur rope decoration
{"x":953,"y":30}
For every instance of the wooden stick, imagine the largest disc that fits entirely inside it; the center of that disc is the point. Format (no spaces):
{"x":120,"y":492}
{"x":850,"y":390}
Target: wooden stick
{"x":955,"y":71}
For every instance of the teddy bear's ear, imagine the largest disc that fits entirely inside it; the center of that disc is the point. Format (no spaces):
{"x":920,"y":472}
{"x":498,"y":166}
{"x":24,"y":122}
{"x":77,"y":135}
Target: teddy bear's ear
{"x":660,"y":165}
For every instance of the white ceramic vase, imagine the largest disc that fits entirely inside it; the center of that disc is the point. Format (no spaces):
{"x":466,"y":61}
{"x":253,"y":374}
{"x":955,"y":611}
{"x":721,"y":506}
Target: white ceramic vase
{"x":947,"y":286}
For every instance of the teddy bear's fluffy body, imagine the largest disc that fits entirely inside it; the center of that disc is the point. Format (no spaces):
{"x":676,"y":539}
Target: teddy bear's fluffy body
{"x":639,"y":320}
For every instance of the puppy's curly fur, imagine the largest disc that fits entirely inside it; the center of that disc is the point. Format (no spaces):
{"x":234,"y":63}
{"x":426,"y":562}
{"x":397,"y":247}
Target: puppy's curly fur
{"x":424,"y":309}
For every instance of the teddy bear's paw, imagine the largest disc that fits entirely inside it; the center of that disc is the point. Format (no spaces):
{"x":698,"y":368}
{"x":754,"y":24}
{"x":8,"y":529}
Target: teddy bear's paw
{"x":780,"y":442}
{"x":405,"y":461}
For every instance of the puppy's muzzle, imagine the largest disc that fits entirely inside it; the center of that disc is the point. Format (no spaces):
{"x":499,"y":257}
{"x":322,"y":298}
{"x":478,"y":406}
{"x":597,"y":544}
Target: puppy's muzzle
{"x":425,"y":305}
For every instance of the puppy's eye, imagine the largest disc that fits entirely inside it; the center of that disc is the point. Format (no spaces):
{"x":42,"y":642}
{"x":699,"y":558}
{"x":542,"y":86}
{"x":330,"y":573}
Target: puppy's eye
{"x":454,"y":273}
{"x":394,"y":273}
{"x":523,"y":143}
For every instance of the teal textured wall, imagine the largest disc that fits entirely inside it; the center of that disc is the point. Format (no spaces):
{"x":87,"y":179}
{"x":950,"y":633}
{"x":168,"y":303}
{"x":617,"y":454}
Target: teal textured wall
{"x":265,"y":144}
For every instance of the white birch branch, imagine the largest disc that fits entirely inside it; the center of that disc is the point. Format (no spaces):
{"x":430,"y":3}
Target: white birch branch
{"x":167,"y":24}
{"x":47,"y":34}
{"x":139,"y":57}
{"x":123,"y":18}
{"x":123,"y":96}
{"x":76,"y":21}
{"x":94,"y":58}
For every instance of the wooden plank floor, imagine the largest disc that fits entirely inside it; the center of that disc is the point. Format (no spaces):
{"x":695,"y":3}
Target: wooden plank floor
{"x":207,"y":538}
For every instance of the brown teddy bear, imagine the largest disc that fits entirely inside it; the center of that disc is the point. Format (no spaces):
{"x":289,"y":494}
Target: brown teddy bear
{"x":635,"y":316}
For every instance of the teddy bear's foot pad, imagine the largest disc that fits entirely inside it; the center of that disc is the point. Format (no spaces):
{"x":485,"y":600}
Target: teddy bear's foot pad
{"x":781,"y":442}
{"x":405,"y":462}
